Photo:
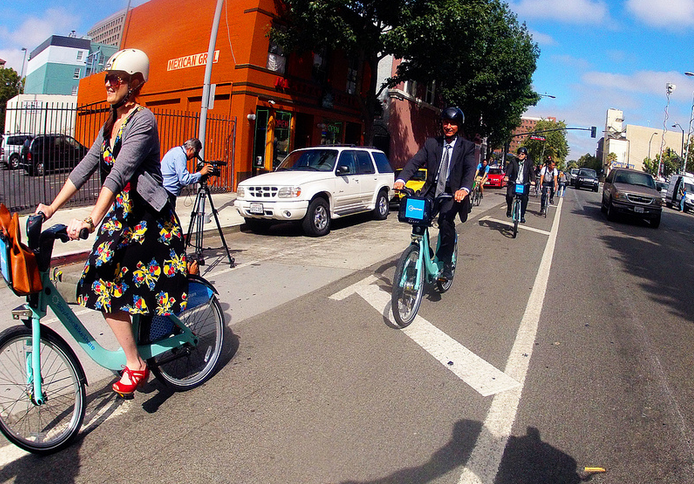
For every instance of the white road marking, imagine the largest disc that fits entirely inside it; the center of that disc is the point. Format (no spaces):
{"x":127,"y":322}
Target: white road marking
{"x":520,"y":226}
{"x":466,"y":365}
{"x":483,"y":464}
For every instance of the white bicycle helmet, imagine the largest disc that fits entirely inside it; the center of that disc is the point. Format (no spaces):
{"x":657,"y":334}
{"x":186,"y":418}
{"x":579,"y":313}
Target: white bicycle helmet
{"x":131,"y":61}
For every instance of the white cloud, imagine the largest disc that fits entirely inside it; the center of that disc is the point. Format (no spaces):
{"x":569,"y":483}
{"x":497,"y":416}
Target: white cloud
{"x":543,"y":40}
{"x":569,"y":11}
{"x":672,"y":14}
{"x":34,"y":30}
{"x":643,"y":82}
{"x":574,"y":63}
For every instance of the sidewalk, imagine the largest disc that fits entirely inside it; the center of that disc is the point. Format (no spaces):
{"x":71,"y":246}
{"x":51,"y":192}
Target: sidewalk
{"x":229,"y":218}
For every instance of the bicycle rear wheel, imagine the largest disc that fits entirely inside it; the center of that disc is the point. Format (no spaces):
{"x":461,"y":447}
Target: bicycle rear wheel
{"x":188,"y":367}
{"x":51,"y":426}
{"x":406,"y":297}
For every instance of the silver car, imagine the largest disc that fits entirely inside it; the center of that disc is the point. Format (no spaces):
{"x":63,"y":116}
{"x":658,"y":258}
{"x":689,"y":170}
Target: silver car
{"x":11,"y":149}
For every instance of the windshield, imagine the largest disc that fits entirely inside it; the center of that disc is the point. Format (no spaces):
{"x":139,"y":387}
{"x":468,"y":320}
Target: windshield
{"x":495,"y":171}
{"x":309,"y":160}
{"x":632,"y":178}
{"x":587,"y":172}
{"x":689,"y":187}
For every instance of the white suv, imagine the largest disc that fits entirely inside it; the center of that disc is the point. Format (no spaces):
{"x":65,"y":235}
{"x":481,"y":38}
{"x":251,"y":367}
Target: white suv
{"x":11,"y":149}
{"x":315,"y":185}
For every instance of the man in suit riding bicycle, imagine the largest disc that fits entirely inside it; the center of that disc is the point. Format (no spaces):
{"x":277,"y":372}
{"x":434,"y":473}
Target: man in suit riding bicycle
{"x":519,"y":170}
{"x":450,"y":163}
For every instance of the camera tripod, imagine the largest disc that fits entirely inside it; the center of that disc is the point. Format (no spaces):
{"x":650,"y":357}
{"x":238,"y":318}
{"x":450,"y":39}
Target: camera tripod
{"x":197,"y":223}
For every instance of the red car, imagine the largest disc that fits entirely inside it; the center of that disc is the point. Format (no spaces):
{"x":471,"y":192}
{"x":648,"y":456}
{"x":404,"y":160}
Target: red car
{"x":495,"y":177}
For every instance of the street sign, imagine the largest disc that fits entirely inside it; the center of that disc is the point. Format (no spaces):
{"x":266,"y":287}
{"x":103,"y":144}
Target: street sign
{"x":538,"y":138}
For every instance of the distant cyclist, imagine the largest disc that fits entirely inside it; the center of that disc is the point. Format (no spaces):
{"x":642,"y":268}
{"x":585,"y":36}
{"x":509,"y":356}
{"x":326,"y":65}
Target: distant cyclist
{"x":519,"y":171}
{"x":481,"y":175}
{"x":454,"y":157}
{"x":548,"y":175}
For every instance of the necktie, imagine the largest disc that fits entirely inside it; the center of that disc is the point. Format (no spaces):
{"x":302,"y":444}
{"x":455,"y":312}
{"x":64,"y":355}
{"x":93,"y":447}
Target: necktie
{"x":443,"y":171}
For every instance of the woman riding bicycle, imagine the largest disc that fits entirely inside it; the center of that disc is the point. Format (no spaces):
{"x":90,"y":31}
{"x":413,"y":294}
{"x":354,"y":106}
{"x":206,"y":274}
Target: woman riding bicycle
{"x":519,"y":170}
{"x":137,"y":264}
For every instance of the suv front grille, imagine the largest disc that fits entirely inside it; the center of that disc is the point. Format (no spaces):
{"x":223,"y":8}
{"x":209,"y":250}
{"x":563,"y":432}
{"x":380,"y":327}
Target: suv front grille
{"x":639,"y":199}
{"x":262,"y":192}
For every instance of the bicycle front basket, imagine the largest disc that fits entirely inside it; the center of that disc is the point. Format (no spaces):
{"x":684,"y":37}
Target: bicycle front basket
{"x":416,"y":210}
{"x":520,"y":188}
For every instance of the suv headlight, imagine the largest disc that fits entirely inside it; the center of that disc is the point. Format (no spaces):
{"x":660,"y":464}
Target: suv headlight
{"x":289,"y":192}
{"x":621,"y":196}
{"x":240,"y":192}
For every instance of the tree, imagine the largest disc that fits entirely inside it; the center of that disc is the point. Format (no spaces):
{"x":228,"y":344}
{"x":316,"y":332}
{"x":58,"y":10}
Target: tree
{"x":10,"y":86}
{"x":554,"y":144}
{"x":480,"y":57}
{"x":671,"y":164}
{"x":590,"y":161}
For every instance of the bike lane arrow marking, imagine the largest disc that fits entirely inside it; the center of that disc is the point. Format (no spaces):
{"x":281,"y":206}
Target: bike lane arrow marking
{"x":466,"y":365}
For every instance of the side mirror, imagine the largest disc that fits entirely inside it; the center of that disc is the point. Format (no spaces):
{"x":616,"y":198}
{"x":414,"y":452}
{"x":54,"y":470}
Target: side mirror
{"x":343,"y":170}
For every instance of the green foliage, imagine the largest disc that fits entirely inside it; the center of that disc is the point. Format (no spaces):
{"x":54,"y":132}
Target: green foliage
{"x":10,"y":86}
{"x":671,"y":163}
{"x":555,"y":144}
{"x":590,"y":161}
{"x":481,"y":58}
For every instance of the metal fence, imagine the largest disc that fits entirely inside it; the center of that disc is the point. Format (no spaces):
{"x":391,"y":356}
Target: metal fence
{"x":63,"y":132}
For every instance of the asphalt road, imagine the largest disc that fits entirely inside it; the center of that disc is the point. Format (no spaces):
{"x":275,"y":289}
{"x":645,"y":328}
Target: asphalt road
{"x":590,"y":319}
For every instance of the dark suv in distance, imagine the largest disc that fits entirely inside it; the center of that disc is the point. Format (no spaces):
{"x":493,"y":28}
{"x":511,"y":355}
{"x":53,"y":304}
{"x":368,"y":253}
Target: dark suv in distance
{"x":586,"y":177}
{"x":631,"y":192}
{"x":48,"y":152}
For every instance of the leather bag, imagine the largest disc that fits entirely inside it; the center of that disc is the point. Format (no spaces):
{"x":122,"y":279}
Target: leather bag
{"x":23,"y":274}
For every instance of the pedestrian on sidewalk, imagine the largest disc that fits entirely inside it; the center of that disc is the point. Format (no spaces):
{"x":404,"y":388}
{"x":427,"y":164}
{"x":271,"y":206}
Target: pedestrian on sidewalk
{"x":137,"y":264}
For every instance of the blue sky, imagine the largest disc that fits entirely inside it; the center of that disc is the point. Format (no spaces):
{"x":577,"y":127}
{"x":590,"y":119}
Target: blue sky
{"x":594,"y":55}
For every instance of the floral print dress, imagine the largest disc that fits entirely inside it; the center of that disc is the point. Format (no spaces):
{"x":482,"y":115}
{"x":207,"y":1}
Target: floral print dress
{"x":138,"y":260}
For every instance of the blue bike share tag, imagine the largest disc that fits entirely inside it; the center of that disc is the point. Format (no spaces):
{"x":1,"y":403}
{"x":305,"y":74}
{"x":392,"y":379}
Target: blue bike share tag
{"x":5,"y":267}
{"x":415,"y":209}
{"x":520,"y":188}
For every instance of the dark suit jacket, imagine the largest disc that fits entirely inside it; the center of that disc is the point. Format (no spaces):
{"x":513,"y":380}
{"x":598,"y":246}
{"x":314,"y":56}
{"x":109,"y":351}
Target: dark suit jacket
{"x":512,"y":174}
{"x":463,"y":164}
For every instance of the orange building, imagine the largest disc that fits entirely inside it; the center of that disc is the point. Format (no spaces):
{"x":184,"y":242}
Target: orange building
{"x":278,"y":102}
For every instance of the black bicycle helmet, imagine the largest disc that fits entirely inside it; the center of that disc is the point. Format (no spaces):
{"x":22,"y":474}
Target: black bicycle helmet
{"x":522,"y":149}
{"x":453,"y":114}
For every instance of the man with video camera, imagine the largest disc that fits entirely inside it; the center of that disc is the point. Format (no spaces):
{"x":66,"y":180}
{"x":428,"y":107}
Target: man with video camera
{"x":174,"y":167}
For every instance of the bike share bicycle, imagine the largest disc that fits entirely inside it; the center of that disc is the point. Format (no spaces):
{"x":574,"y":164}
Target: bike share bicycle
{"x":476,"y":195}
{"x":517,"y":207}
{"x":42,"y":383}
{"x":418,"y":264}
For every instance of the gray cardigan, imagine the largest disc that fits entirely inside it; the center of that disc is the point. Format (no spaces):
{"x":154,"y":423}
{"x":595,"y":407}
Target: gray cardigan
{"x":139,"y":153}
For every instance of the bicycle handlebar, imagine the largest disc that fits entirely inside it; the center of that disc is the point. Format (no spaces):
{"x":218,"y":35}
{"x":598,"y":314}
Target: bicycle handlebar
{"x":41,"y":242}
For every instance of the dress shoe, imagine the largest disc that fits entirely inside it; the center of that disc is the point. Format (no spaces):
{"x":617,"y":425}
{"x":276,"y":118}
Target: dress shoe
{"x":137,"y":379}
{"x":447,"y":272}
{"x":522,"y":220}
{"x":508,"y":214}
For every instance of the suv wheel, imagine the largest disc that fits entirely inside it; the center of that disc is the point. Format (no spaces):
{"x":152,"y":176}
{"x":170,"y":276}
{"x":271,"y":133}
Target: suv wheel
{"x":655,"y":223}
{"x":14,"y":162}
{"x":611,"y":214}
{"x":382,"y":206}
{"x":316,"y":223}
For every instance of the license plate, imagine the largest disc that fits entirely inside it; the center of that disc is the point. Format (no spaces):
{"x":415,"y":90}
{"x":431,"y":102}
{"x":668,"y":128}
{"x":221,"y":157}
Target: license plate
{"x":638,"y":209}
{"x":256,"y":208}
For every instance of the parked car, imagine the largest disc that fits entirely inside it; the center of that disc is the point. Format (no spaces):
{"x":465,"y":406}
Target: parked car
{"x":47,"y":152}
{"x":573,"y":173}
{"x":318,"y":184}
{"x":661,"y":186}
{"x":672,"y":196}
{"x":633,"y":193}
{"x":586,"y":177}
{"x":415,"y":183}
{"x":495,"y":177}
{"x":11,"y":149}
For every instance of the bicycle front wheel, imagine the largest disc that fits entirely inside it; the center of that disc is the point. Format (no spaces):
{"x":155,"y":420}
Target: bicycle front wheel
{"x":406,"y":296}
{"x":188,"y":367}
{"x":516,"y":216}
{"x":52,"y":425}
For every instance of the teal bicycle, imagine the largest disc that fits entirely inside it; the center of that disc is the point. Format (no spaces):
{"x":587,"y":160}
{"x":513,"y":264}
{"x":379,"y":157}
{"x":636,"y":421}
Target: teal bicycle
{"x":418,"y":264}
{"x":42,"y":383}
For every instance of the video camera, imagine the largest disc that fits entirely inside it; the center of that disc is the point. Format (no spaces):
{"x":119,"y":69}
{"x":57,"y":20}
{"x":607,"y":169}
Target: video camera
{"x":215,"y":171}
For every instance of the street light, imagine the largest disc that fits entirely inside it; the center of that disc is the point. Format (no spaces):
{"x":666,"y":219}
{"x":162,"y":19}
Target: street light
{"x":676,"y":125}
{"x":689,"y":131}
{"x":21,"y":75}
{"x":649,"y":145}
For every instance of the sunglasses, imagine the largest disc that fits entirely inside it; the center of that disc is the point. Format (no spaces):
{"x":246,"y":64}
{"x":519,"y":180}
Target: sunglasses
{"x":114,"y":80}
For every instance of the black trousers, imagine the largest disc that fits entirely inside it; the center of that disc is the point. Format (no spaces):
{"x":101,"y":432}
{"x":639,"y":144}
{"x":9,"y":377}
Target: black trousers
{"x":449,"y":209}
{"x":524,"y":203}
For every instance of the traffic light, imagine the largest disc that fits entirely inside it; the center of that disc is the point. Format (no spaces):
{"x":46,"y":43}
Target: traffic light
{"x":593,"y":131}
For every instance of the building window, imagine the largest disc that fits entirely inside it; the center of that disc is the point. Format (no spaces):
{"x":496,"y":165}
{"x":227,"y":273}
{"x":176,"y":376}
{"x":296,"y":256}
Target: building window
{"x":276,"y":60}
{"x":74,"y":90}
{"x":430,"y":92}
{"x":320,"y":65}
{"x":76,"y":75}
{"x":79,"y":55}
{"x":411,"y":88}
{"x":352,"y":77}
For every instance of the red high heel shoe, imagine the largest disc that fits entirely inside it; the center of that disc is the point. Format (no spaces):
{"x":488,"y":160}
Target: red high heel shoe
{"x":137,"y":379}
